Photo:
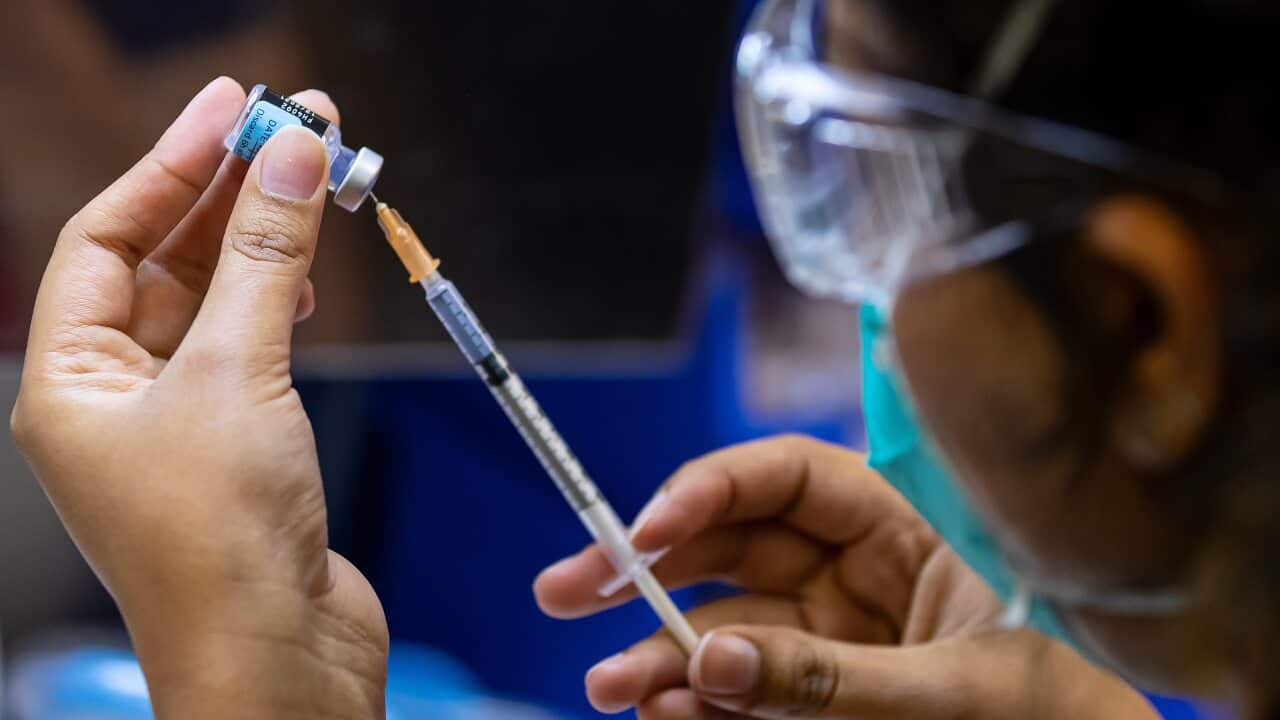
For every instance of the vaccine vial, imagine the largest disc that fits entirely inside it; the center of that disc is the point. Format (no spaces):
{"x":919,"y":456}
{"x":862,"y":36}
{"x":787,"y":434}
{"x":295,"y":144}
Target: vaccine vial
{"x":352,"y":173}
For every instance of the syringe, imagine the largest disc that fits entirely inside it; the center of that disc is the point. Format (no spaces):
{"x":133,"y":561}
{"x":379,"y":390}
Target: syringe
{"x":538,"y":432}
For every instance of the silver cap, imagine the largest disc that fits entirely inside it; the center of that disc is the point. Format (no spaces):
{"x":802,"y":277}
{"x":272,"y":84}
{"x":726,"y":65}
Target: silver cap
{"x":359,"y":181}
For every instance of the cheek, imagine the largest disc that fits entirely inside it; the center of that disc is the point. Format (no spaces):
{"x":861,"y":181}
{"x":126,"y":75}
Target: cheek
{"x":991,"y":385}
{"x":980,"y":364}
{"x":986,"y":381}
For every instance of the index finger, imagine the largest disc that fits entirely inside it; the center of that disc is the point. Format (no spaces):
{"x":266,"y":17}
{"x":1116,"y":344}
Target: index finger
{"x":821,"y":490}
{"x":766,"y":558}
{"x":90,"y":278}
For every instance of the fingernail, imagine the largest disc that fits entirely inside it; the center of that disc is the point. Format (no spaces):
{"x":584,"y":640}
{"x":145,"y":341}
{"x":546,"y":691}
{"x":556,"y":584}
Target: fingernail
{"x":293,"y":164}
{"x":194,"y":105}
{"x":206,"y":88}
{"x":318,"y":92}
{"x":607,"y":705}
{"x":648,"y":511}
{"x":725,"y":664}
{"x":556,"y":567}
{"x":608,"y":665}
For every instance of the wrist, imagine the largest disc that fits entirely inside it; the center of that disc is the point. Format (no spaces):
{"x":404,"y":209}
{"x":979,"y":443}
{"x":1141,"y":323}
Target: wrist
{"x":259,"y":654}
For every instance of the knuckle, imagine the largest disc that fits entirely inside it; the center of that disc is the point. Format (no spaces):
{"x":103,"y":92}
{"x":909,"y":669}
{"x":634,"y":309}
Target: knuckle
{"x":691,"y":474}
{"x":271,"y":238}
{"x":686,"y":468}
{"x":814,"y":678}
{"x":795,"y":442}
{"x":100,"y":225}
{"x":267,"y":246}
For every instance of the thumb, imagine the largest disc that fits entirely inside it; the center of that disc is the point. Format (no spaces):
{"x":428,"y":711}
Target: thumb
{"x":778,"y":672}
{"x":248,"y":314}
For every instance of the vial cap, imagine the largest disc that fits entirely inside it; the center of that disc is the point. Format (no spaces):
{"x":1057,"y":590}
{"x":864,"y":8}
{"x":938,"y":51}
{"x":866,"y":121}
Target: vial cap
{"x":360,"y":179}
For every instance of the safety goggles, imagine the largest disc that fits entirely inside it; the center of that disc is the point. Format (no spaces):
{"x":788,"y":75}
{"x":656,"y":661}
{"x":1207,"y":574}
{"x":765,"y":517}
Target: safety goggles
{"x":867,"y":182}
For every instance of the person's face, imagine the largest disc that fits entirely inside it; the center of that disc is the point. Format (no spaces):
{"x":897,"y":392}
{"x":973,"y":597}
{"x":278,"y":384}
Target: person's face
{"x":1066,"y":472}
{"x":992,"y":384}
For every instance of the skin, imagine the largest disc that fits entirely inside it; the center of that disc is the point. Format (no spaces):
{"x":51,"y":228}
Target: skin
{"x":1091,"y":518}
{"x":157,"y":410}
{"x":995,"y":424}
{"x":853,"y":605}
{"x":1001,"y":427}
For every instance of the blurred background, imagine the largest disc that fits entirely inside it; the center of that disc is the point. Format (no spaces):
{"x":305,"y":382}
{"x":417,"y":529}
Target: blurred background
{"x":574,"y":163}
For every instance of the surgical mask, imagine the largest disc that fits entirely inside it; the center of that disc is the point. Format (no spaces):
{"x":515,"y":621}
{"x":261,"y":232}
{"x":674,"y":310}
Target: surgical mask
{"x":901,"y":453}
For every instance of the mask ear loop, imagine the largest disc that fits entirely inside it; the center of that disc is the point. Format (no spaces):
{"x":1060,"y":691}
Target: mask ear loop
{"x":1017,"y":613}
{"x":1022,"y":27}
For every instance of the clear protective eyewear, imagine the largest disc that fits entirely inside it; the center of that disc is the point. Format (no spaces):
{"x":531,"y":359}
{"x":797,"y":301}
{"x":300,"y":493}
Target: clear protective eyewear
{"x":866,"y":182}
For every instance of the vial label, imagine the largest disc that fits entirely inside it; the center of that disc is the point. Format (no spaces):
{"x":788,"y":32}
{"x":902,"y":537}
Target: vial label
{"x":267,"y":116}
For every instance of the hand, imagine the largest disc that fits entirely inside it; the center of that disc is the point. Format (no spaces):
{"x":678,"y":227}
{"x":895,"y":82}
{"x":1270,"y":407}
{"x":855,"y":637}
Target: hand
{"x":158,"y":411}
{"x":853,"y":608}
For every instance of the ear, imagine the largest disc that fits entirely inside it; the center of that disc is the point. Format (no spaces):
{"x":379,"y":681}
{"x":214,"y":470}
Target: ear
{"x":1170,"y":398}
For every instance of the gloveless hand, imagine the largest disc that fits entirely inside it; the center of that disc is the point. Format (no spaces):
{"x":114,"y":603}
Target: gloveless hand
{"x":853,"y":607}
{"x":158,"y":411}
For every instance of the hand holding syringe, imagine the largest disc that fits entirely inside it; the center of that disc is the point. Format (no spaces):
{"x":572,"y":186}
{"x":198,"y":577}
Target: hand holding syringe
{"x":537,"y":431}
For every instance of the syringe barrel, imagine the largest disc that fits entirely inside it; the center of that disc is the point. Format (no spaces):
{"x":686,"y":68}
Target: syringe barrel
{"x":523,"y":411}
{"x":554,"y":454}
{"x":541,"y":436}
{"x":458,"y":318}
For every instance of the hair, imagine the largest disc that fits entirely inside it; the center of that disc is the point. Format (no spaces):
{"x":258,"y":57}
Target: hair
{"x":1191,"y":81}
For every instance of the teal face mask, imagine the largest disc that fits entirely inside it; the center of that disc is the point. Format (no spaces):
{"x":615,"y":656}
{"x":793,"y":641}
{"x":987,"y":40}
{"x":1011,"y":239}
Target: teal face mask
{"x":900,"y":454}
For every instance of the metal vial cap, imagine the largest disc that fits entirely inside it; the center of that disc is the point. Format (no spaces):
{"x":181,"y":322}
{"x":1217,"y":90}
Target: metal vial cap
{"x":360,"y":179}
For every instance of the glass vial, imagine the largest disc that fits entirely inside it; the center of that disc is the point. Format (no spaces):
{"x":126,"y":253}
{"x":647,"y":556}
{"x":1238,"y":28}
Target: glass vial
{"x":352,"y":173}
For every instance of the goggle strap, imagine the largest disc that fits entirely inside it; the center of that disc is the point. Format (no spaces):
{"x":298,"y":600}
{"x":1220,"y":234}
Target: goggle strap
{"x":1017,"y":36}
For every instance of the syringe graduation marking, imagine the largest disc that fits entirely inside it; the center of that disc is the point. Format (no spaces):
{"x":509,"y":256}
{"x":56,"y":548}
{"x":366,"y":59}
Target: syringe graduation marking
{"x":551,"y":450}
{"x":531,"y":422}
{"x":460,"y":321}
{"x":538,"y":432}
